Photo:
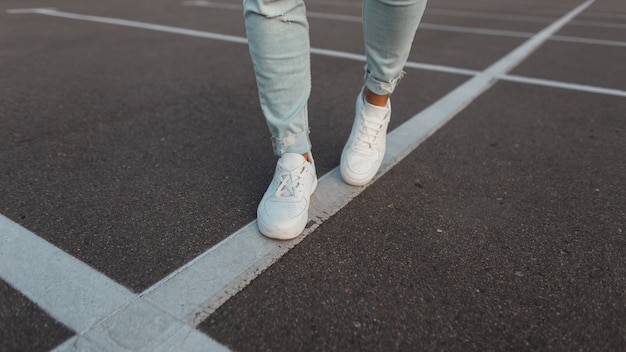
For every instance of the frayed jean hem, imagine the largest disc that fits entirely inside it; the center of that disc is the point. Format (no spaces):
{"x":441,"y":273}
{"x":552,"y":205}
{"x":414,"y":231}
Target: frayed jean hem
{"x":297,"y":143}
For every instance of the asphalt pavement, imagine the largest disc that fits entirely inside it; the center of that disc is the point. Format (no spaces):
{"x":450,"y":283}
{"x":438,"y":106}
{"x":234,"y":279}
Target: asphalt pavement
{"x":133,"y":155}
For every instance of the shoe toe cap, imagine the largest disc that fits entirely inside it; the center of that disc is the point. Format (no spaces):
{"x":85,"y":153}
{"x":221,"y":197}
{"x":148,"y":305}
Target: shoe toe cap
{"x":358,"y":169}
{"x":281,"y":221}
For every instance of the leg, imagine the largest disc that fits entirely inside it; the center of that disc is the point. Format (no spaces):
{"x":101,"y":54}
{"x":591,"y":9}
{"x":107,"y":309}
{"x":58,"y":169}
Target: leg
{"x":389,"y":27}
{"x":278,"y":36}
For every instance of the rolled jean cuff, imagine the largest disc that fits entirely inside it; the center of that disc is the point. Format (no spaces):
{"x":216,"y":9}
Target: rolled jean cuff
{"x":297,"y":143}
{"x":381,"y":87}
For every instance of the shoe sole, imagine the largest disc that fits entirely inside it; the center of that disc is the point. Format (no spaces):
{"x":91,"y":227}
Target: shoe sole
{"x":277,"y":234}
{"x":352,"y":181}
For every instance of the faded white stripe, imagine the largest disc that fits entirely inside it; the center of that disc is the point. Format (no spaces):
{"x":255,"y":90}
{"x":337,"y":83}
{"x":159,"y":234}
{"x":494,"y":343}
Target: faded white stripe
{"x":66,"y":288}
{"x":105,"y":315}
{"x":196,"y":290}
{"x":450,"y":28}
{"x":328,"y":52}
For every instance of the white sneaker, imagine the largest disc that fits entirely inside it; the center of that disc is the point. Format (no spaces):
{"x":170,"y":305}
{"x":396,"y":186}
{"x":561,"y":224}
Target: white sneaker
{"x":365,"y":148}
{"x":284,"y":209}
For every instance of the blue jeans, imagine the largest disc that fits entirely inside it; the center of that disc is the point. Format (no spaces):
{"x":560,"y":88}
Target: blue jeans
{"x":278,"y":36}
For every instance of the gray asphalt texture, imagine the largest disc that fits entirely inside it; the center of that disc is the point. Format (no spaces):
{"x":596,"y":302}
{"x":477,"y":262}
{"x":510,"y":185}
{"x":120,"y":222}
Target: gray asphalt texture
{"x":135,"y":151}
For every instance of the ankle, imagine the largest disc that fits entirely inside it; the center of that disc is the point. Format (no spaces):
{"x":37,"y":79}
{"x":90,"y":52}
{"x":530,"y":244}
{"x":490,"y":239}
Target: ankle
{"x":375,"y":99}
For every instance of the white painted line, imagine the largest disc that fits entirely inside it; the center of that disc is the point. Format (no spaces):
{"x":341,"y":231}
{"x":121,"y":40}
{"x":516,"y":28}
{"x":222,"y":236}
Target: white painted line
{"x":446,"y":28}
{"x":199,"y":288}
{"x":473,"y":30}
{"x":606,"y":15}
{"x":489,"y":16}
{"x":599,"y":24}
{"x":29,"y":10}
{"x":135,"y":24}
{"x":69,"y":290}
{"x":439,"y":68}
{"x":564,"y":85}
{"x":325,"y":52}
{"x":228,"y":38}
{"x":196,"y":290}
{"x":215,"y":5}
{"x":141,"y":326}
{"x":461,"y":29}
{"x":401,"y":142}
{"x":580,"y":40}
{"x":423,"y":25}
{"x":409,"y":64}
{"x":520,"y":53}
{"x":435,"y":27}
{"x":518,"y":18}
{"x":105,"y":315}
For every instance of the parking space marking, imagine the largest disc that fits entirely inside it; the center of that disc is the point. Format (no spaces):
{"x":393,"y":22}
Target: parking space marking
{"x":490,"y":16}
{"x":580,"y":40}
{"x":563,"y":85}
{"x":443,"y":27}
{"x":475,"y":30}
{"x":167,"y":311}
{"x":535,"y":19}
{"x":134,"y":24}
{"x":140,"y":326}
{"x":198,"y":289}
{"x":466,"y":72}
{"x":610,"y":15}
{"x":416,"y":65}
{"x":318,"y":51}
{"x":600,"y":24}
{"x":87,"y":301}
{"x":68,"y":289}
{"x":195,"y":290}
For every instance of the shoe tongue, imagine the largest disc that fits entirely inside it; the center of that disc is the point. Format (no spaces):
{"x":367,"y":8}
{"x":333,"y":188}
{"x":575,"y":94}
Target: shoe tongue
{"x":291,"y":160}
{"x":375,"y":113}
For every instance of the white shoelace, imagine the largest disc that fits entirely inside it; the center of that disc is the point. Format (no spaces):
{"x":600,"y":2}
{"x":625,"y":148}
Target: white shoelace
{"x":368,"y":134}
{"x":290,"y":181}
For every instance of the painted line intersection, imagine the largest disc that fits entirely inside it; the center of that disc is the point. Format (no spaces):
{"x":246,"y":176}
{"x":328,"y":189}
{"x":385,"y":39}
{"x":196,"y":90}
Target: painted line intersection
{"x":165,"y":315}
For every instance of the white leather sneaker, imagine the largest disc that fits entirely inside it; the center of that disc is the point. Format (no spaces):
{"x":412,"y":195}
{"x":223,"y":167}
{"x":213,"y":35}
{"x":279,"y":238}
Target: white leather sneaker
{"x":365,"y":148}
{"x":284,"y":209}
